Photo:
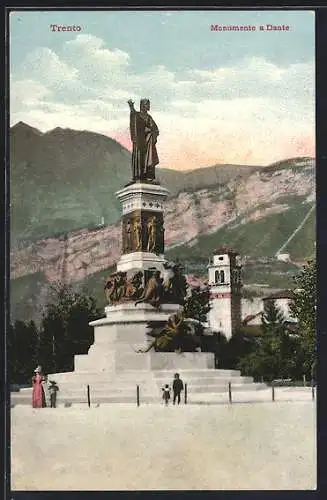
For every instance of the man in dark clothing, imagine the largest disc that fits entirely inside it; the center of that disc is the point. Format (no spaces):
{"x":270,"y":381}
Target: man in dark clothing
{"x":178,"y":386}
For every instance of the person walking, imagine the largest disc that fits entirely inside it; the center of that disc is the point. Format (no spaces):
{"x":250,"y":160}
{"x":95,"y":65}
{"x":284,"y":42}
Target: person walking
{"x":166,"y":394}
{"x":178,"y":387}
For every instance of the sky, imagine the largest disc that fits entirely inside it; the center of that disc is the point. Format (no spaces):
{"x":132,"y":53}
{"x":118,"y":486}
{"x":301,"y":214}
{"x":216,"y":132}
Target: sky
{"x":240,"y":97}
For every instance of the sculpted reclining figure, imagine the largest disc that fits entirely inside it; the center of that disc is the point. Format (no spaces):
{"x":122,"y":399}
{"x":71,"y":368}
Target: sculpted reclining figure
{"x":153,"y":292}
{"x":175,"y":285}
{"x":180,"y":334}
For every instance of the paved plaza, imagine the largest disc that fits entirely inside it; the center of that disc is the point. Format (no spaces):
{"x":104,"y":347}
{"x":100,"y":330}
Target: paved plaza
{"x":266,"y":445}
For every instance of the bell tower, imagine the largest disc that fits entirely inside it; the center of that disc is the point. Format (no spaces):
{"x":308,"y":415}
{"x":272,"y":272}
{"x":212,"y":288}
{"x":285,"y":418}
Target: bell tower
{"x":225,"y":282}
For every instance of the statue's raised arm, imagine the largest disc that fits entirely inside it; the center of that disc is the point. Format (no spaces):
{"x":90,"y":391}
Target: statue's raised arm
{"x":131,"y":105}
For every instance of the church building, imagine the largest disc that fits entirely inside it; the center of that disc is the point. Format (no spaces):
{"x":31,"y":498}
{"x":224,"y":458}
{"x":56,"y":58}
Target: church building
{"x":229,"y":310}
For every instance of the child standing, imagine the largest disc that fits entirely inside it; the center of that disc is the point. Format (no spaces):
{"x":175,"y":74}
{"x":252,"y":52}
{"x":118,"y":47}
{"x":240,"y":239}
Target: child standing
{"x":166,"y":394}
{"x":53,"y":389}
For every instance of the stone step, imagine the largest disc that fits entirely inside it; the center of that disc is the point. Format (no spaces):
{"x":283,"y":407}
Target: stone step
{"x":145,"y":374}
{"x":66,"y":384}
{"x":199,"y":373}
{"x":79,"y":384}
{"x":208,"y":380}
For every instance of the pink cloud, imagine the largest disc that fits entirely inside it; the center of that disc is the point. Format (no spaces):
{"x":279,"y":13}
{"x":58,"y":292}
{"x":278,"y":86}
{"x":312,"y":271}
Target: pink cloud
{"x":299,"y":146}
{"x":186,"y":152}
{"x":123,"y":138}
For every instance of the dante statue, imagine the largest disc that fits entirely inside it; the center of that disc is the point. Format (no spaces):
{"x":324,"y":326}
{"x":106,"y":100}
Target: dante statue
{"x":144,"y":133}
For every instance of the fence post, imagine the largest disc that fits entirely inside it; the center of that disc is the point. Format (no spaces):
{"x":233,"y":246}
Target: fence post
{"x":313,"y":389}
{"x":185,"y":394}
{"x":88,"y":396}
{"x":138,"y":395}
{"x":304,"y":381}
{"x":230,"y":392}
{"x":273,"y":391}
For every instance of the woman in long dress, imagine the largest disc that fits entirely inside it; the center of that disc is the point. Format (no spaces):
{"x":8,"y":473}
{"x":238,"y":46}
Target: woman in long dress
{"x":38,"y":394}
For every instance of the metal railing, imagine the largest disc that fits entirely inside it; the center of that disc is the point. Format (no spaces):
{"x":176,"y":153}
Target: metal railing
{"x":278,"y":390}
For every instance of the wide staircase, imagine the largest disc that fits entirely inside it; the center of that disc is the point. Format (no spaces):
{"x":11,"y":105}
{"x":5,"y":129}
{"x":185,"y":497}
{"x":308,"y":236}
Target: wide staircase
{"x":203,"y":385}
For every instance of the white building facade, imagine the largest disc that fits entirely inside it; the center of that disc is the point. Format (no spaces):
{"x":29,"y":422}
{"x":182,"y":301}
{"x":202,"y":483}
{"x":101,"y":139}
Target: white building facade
{"x":229,"y":311}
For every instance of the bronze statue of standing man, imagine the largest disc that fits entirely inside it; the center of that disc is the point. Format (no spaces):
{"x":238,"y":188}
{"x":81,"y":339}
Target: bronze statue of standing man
{"x":152,"y":234}
{"x":137,"y":228}
{"x":144,"y":133}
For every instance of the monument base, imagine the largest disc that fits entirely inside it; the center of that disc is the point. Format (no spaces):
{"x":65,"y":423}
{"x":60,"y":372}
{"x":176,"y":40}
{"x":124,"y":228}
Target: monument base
{"x":113,"y":367}
{"x":120,"y":340}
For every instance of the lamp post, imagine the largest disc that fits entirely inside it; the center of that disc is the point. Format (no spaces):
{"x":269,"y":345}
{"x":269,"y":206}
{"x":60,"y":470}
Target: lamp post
{"x":53,"y":354}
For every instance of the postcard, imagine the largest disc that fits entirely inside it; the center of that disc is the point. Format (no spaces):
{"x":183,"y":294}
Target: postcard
{"x":162,"y":256}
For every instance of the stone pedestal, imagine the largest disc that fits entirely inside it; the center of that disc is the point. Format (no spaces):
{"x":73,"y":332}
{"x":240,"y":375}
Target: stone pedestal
{"x":123,"y":332}
{"x":142,"y":196}
{"x":119,"y":336}
{"x":142,"y":226}
{"x":140,"y":260}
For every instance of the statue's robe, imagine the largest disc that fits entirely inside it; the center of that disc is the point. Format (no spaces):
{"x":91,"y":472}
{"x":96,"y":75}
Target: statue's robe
{"x":144,"y":133}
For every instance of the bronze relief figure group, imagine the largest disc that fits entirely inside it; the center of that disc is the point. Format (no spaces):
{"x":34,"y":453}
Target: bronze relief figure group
{"x":145,"y":235}
{"x":119,"y":288}
{"x":153,"y":290}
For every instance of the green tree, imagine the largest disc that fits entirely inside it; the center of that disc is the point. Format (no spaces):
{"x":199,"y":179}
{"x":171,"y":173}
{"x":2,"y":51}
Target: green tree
{"x":274,"y":354}
{"x":65,"y":329}
{"x":197,"y":304}
{"x":272,"y":319}
{"x":303,"y":308}
{"x":238,"y":347}
{"x":218,"y":344}
{"x":22,"y":351}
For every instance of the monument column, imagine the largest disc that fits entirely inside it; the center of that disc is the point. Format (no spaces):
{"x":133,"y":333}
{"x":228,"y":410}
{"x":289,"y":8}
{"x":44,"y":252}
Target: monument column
{"x":143,"y":229}
{"x":143,"y":199}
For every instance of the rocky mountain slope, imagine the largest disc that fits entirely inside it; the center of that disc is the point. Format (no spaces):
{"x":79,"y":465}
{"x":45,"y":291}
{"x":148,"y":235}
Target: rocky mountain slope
{"x":63,"y":184}
{"x":65,"y":180}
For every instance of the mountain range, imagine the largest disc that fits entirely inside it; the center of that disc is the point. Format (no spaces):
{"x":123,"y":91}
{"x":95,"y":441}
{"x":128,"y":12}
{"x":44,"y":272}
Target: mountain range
{"x":65,"y":219}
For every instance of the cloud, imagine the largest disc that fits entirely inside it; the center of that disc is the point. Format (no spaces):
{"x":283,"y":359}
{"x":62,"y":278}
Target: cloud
{"x":254,"y":112}
{"x":93,"y":48}
{"x":27,"y":94}
{"x":43,"y":64}
{"x":97,"y":65}
{"x":255,"y":76}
